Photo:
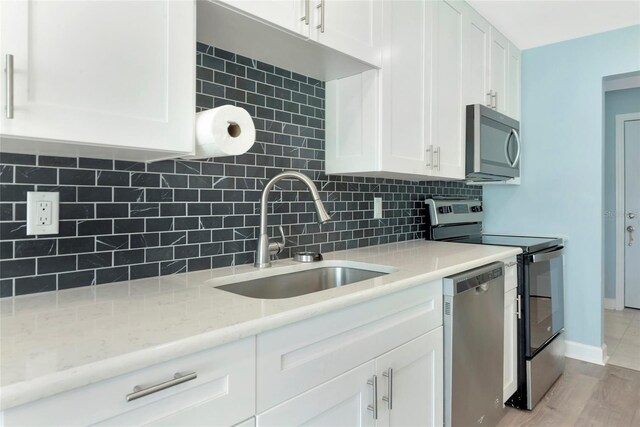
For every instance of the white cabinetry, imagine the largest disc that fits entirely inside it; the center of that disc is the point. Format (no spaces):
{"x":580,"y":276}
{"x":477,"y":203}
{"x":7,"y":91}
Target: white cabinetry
{"x":410,"y":383}
{"x":101,"y":79}
{"x":223,"y":393}
{"x":511,"y":312}
{"x":286,"y":14}
{"x":349,"y":26}
{"x":408,"y":119}
{"x":448,"y":117}
{"x":342,"y":401}
{"x":499,"y":59}
{"x":321,"y":371}
{"x":352,"y":27}
{"x":401,"y":387}
{"x":513,"y":82}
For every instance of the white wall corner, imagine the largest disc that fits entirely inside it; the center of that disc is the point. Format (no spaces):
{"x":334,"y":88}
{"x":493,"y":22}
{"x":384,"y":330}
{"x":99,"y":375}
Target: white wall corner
{"x":586,"y":353}
{"x":609,"y":303}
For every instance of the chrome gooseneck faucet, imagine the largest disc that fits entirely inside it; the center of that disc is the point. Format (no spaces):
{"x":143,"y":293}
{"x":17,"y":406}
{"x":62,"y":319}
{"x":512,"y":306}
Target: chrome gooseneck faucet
{"x":267,"y":248}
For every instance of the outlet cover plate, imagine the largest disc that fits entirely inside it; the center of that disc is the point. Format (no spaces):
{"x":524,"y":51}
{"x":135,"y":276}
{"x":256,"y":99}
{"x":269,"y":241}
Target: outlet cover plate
{"x":34,"y":225}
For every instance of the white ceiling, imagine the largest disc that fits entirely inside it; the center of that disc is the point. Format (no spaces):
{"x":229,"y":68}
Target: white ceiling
{"x":531,"y":23}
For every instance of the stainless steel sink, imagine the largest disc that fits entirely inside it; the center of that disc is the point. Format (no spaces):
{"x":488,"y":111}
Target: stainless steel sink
{"x":300,"y":282}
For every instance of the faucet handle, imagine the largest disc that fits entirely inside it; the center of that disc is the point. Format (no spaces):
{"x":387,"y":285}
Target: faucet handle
{"x":275,"y":247}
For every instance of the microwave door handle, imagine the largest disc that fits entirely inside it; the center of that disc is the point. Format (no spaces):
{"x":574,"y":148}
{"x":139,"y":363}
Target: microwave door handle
{"x":510,"y":162}
{"x":517,"y":137}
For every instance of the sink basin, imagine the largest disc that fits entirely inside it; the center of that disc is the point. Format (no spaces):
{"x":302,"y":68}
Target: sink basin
{"x":300,"y":282}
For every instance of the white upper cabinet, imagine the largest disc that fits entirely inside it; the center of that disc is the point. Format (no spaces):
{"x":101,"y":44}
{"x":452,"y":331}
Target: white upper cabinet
{"x":292,"y":15}
{"x":499,"y":60}
{"x":406,"y":86}
{"x":475,"y":58}
{"x":513,"y":82}
{"x":448,"y":117}
{"x":352,"y":27}
{"x":349,"y":26}
{"x":99,"y":78}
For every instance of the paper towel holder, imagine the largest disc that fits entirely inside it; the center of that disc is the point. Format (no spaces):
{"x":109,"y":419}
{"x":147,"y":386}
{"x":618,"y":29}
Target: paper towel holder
{"x":234,"y":129}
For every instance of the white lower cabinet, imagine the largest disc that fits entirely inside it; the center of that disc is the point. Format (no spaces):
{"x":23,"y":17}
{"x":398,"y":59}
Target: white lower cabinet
{"x":221,"y":394}
{"x":403,"y":387}
{"x":342,"y":401}
{"x":410,"y":392}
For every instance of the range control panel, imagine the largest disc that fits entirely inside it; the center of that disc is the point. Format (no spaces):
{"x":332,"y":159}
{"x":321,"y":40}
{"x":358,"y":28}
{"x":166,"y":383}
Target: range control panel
{"x":454,"y":211}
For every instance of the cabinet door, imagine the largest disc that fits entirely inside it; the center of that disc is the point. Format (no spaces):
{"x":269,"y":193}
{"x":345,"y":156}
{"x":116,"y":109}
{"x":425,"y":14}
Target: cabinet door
{"x":499,"y":57}
{"x":117,"y":74}
{"x":475,"y":57}
{"x":413,"y":385}
{"x":287,"y":14}
{"x":513,"y":82}
{"x":342,"y":401}
{"x":510,"y":371}
{"x":406,"y":87}
{"x":448,"y":117}
{"x":353,"y":27}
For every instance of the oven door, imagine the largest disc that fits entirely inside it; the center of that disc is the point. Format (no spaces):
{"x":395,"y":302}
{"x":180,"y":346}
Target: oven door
{"x":544,"y":305}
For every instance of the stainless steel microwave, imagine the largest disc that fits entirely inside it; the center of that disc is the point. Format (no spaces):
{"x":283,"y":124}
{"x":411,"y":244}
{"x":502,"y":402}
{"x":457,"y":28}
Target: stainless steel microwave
{"x":492,"y":144}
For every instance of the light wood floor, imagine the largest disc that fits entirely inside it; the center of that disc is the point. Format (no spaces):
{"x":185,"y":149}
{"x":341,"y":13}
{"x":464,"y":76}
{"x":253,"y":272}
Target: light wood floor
{"x":585,"y":395}
{"x":622,"y":336}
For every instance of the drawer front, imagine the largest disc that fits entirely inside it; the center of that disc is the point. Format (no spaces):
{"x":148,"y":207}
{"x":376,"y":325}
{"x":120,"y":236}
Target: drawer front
{"x":297,"y":357}
{"x":510,"y":273}
{"x":223,"y":393}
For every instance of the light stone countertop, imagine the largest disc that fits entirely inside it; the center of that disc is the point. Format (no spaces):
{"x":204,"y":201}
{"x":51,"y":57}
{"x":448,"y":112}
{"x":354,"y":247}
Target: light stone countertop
{"x":57,"y":341}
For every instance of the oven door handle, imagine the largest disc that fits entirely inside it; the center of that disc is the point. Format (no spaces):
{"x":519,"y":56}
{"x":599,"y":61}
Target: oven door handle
{"x":546,"y":256}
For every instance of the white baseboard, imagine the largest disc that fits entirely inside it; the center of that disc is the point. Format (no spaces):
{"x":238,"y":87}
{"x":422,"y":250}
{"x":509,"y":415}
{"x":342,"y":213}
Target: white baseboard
{"x":609,"y":303}
{"x":586,"y":353}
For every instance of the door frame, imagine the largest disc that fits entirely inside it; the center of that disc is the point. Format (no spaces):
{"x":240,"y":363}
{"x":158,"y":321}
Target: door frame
{"x":620,"y":189}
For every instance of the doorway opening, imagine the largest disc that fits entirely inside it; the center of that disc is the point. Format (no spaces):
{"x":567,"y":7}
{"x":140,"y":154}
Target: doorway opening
{"x":622,"y":219}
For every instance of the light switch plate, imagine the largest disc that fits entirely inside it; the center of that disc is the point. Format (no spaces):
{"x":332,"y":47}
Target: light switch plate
{"x":377,"y":207}
{"x":43,"y":212}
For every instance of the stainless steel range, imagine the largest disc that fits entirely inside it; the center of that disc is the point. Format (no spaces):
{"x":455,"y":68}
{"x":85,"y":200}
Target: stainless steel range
{"x":540,"y":291}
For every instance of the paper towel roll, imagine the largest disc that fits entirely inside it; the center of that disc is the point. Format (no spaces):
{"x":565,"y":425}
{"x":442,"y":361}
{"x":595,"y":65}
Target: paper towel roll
{"x":223,"y":131}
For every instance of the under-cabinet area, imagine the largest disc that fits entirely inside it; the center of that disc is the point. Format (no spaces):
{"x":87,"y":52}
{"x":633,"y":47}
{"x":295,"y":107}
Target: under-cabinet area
{"x":370,"y":352}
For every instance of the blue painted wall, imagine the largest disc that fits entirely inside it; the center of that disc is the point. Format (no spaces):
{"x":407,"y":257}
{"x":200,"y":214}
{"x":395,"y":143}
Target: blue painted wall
{"x":562,"y":163}
{"x":615,"y":102}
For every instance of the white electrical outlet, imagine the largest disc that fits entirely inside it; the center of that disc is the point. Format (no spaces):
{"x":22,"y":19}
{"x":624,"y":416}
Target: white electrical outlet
{"x":377,"y":207}
{"x":43,"y":210}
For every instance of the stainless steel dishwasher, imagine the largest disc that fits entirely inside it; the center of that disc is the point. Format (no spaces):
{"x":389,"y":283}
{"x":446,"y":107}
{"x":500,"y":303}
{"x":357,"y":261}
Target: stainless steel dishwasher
{"x":473,"y":346}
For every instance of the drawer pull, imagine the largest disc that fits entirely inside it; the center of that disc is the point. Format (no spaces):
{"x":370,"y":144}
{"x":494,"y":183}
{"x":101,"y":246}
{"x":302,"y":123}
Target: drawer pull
{"x":178,"y":378}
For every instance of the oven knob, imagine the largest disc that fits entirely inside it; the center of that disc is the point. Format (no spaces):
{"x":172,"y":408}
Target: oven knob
{"x":442,"y":209}
{"x":474,"y":209}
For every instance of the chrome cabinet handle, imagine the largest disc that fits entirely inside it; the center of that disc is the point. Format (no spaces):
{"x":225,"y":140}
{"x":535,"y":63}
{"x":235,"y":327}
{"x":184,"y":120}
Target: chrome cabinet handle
{"x":389,"y":397}
{"x":494,"y":99}
{"x":430,"y":156}
{"x":436,"y":154}
{"x":518,"y":307}
{"x":8,"y":73}
{"x":373,"y":382}
{"x":178,"y":378}
{"x":321,"y":7}
{"x":305,"y":18}
{"x":489,"y":97}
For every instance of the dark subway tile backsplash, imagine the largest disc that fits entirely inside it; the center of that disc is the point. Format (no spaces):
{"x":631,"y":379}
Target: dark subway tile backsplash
{"x":123,"y":220}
